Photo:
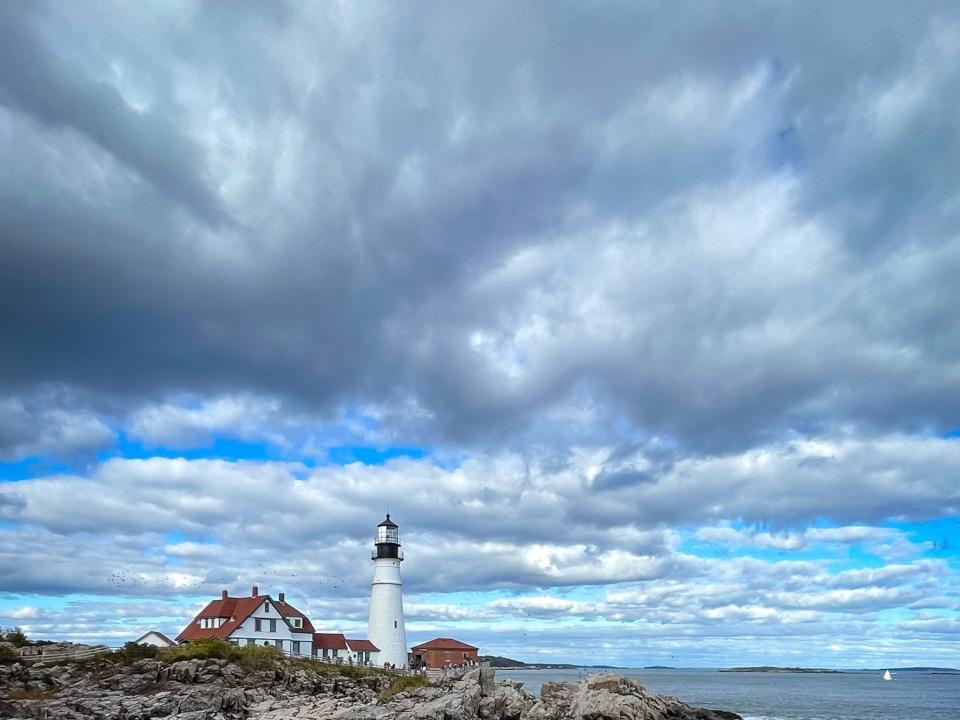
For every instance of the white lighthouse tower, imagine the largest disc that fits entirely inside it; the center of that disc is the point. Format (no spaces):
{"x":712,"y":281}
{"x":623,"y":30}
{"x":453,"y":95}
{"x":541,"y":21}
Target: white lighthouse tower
{"x":385,"y":628}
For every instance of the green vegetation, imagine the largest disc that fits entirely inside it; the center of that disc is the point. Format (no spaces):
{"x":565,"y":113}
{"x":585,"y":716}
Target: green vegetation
{"x":402,"y":683}
{"x":8,"y":654}
{"x":14,"y":636}
{"x":351,"y":671}
{"x":254,"y":657}
{"x":131,"y":652}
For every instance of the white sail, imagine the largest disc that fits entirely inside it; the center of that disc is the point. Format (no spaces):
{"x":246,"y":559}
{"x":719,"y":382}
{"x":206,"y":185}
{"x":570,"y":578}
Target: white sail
{"x":886,"y":675}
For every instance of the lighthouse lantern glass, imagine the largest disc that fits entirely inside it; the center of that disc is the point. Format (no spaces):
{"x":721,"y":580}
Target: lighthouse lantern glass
{"x":388,"y":535}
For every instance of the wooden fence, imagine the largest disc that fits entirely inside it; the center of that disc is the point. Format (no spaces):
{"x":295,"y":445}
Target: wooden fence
{"x":81,"y":652}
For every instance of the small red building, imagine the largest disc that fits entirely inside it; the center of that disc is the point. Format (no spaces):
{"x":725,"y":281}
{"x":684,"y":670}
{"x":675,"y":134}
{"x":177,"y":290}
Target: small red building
{"x":443,"y":652}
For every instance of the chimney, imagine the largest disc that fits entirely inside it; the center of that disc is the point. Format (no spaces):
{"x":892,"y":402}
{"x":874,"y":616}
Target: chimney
{"x":281,"y":597}
{"x":223,"y":595}
{"x":255,"y":592}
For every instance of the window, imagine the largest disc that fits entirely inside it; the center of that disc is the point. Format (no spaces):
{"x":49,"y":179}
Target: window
{"x":326,"y":653}
{"x":279,"y":644}
{"x":296,"y":622}
{"x":266,"y":607}
{"x":251,"y":641}
{"x":273,"y":625}
{"x":258,"y":625}
{"x":296,"y":647}
{"x":394,"y":623}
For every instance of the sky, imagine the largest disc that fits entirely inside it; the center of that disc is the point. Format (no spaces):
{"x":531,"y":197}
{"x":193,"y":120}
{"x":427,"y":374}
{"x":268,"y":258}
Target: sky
{"x":639,"y":318}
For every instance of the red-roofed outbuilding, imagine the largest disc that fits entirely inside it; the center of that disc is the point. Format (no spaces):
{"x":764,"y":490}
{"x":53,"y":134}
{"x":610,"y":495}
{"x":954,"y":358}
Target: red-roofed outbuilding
{"x":364,"y":651}
{"x":443,"y":652}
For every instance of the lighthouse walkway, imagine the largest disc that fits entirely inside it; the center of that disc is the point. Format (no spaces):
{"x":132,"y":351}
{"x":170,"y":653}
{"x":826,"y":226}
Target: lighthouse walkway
{"x":432,"y":674}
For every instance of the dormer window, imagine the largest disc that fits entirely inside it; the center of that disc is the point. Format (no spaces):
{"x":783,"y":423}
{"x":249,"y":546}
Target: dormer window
{"x":296,"y":622}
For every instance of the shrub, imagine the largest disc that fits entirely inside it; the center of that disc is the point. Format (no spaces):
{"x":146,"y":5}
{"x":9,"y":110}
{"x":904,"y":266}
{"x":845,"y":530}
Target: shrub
{"x":202,"y":650}
{"x":8,"y":654}
{"x":131,"y":652}
{"x":15,"y":636}
{"x":257,"y":657}
{"x":251,"y":656}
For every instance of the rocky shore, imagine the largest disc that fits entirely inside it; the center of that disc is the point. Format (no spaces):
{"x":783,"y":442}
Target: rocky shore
{"x":213,"y":689}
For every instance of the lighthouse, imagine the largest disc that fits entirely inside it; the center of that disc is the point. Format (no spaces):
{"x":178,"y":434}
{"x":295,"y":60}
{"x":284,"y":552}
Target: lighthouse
{"x":385,"y":628}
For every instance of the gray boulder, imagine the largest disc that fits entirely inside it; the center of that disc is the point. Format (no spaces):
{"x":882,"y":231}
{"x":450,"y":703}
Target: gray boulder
{"x":613,"y":697}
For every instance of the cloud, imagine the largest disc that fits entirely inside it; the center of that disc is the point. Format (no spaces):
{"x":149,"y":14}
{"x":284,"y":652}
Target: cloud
{"x":59,"y":95}
{"x":181,"y":426}
{"x":647,"y":253}
{"x":665,"y":322}
{"x":36,"y":426}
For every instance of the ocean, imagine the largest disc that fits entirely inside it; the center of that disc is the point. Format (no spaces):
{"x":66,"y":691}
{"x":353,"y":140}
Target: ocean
{"x":789,"y":696}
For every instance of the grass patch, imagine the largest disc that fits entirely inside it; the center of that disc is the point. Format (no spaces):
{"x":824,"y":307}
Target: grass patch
{"x":33,"y":694}
{"x":330,"y":669}
{"x":402,"y":683}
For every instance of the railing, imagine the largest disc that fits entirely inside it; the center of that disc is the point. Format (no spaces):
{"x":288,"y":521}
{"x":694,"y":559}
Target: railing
{"x":345,"y":662}
{"x":375,"y":556}
{"x":80,"y":653}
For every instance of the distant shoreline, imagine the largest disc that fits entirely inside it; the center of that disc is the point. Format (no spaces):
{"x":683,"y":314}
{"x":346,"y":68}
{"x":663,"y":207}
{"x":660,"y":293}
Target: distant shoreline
{"x":745,"y":669}
{"x":771,"y":669}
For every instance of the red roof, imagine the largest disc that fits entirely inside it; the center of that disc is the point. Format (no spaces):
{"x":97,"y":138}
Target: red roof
{"x":329,"y":641}
{"x":362,"y":645}
{"x":290,"y":612}
{"x":235,"y":611}
{"x":443,"y":644}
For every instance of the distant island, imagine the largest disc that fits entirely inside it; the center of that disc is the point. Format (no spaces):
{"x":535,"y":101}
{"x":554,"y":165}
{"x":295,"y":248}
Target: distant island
{"x":772,"y":669}
{"x":504,"y":662}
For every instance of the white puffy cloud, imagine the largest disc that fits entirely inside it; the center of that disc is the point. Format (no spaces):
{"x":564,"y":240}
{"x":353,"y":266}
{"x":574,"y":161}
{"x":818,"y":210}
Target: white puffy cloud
{"x":645,"y":307}
{"x":35,"y":426}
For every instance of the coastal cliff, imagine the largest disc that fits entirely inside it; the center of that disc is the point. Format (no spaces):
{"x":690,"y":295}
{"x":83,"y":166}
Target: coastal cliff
{"x":216,"y":689}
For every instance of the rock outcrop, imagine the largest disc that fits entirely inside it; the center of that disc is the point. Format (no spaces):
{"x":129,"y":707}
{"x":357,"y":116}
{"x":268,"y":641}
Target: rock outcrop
{"x":222,"y":690}
{"x":613,"y":697}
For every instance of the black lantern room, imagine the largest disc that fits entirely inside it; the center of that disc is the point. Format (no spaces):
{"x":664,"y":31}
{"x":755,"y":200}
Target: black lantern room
{"x":388,"y":540}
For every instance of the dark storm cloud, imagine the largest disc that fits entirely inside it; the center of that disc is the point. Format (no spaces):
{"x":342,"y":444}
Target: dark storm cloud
{"x":61,"y":96}
{"x":705,"y":223}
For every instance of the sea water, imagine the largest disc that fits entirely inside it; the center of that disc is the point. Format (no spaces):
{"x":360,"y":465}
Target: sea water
{"x":789,"y":696}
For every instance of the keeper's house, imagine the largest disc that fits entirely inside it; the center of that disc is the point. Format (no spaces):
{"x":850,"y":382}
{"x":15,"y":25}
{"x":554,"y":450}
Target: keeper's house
{"x":261,"y":620}
{"x":254,"y":620}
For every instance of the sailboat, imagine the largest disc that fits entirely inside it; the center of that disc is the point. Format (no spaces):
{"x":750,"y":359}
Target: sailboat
{"x":887,"y":675}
